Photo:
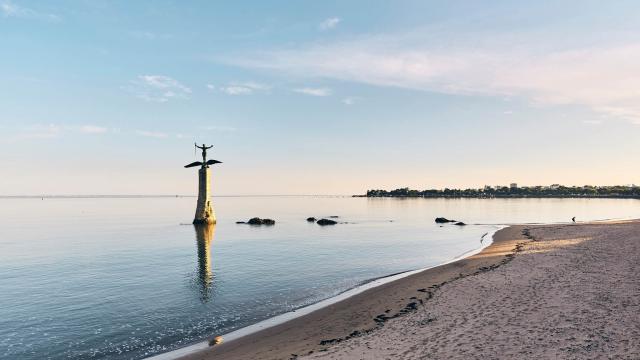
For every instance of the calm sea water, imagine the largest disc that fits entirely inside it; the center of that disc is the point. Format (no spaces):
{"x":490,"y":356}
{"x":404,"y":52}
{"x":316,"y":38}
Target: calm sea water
{"x":124,"y":278}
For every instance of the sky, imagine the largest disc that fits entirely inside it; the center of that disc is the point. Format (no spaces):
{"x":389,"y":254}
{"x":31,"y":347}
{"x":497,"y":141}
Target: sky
{"x":316,"y":97}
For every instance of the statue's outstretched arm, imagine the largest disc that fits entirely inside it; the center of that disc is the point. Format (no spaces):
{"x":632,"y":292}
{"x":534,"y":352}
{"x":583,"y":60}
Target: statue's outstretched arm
{"x":209,"y":147}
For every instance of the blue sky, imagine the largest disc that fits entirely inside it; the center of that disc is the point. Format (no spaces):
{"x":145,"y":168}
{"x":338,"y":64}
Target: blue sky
{"x":309,"y":97}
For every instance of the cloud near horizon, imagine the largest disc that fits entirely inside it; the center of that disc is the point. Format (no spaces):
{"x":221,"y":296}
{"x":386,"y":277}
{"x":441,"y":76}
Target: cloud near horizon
{"x":41,"y":131}
{"x":152,"y":134}
{"x":601,"y":77}
{"x":92,"y":129}
{"x":53,"y":130}
{"x":57,"y":130}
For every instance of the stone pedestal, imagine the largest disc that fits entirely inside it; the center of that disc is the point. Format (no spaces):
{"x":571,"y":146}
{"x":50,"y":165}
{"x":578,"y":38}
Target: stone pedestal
{"x":204,"y":209}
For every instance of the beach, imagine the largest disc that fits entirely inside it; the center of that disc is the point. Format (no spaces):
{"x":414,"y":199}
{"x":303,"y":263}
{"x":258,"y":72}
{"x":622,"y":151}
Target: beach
{"x":543,"y":291}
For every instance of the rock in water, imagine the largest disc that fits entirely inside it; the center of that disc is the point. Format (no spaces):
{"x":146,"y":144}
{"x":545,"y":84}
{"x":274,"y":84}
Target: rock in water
{"x":460,"y":223}
{"x":311,"y":219}
{"x":326,"y":222}
{"x":441,"y":220}
{"x":258,"y":221}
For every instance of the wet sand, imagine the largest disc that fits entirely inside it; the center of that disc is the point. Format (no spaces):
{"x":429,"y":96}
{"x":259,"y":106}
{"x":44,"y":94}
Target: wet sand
{"x":554,"y":291}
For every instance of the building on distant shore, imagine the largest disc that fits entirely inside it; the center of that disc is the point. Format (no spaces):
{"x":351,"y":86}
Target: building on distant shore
{"x":513,"y":186}
{"x":554,"y":186}
{"x":487,"y":188}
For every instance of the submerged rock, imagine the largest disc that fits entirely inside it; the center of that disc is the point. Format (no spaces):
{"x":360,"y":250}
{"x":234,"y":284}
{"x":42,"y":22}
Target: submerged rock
{"x":326,"y":222}
{"x":460,"y":223}
{"x":311,"y":219}
{"x":441,"y":220}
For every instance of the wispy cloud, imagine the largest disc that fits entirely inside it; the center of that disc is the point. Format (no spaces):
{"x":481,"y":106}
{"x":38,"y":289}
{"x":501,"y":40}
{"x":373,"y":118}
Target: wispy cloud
{"x":242,"y":88}
{"x":236,"y":90}
{"x":92,"y":129}
{"x":602,"y":76}
{"x":152,"y":134}
{"x":52,"y":130}
{"x":41,"y":131}
{"x":149,"y":35}
{"x":328,"y":24}
{"x":350,"y":100}
{"x":313,"y":91}
{"x":9,"y":9}
{"x":45,"y":131}
{"x":158,"y":88}
{"x":220,"y":128}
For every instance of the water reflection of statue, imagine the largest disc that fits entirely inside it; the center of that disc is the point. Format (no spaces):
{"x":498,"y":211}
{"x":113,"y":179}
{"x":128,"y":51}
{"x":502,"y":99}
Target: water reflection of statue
{"x":204,"y":237}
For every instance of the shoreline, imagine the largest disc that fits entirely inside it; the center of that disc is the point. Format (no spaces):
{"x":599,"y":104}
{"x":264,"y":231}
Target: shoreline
{"x":566,"y":291}
{"x":358,"y":313}
{"x":186,"y":352}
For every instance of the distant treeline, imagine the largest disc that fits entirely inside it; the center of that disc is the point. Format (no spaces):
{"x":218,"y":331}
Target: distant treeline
{"x":528,"y":191}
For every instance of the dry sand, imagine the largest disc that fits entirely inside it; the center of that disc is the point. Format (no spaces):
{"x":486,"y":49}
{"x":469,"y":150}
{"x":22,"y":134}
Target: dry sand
{"x":561,"y":291}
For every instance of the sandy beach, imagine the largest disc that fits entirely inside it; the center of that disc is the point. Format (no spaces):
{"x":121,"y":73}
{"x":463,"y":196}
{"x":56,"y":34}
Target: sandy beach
{"x":553,"y":291}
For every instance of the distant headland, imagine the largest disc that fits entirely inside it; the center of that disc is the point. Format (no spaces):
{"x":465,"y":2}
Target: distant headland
{"x":514,"y":191}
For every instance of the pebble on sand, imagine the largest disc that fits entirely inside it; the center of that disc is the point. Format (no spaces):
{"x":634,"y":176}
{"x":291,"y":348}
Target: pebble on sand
{"x":216,"y":340}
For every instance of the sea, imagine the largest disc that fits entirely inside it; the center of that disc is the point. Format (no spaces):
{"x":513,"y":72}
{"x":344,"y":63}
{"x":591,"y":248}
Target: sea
{"x":129,"y":277}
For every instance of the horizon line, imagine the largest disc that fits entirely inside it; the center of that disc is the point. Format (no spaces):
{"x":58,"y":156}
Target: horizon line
{"x":35,"y":196}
